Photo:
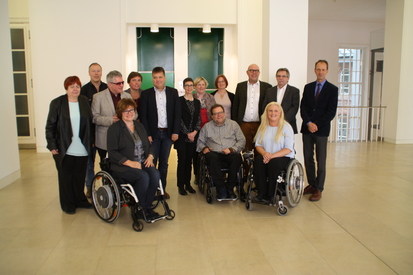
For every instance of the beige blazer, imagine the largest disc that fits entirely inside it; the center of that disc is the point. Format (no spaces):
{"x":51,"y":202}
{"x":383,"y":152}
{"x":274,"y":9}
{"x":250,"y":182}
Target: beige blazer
{"x":103,"y":110}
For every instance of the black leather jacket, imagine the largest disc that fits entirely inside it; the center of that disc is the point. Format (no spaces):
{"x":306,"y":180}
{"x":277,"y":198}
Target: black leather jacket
{"x":59,"y":128}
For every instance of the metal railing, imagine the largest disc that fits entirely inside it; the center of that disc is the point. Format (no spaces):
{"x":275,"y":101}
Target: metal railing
{"x":358,"y":124}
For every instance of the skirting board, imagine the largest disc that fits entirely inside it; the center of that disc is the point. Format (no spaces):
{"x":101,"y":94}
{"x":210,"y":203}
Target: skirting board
{"x":9,"y":179}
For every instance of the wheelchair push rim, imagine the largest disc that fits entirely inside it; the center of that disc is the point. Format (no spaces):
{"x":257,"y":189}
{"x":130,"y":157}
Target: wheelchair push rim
{"x":105,"y":197}
{"x":294,"y":183}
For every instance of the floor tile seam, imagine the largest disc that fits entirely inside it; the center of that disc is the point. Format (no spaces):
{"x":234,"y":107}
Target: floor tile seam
{"x":357,"y":239}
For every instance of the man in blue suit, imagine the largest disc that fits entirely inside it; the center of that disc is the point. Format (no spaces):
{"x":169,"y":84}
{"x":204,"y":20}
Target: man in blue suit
{"x":318,"y":109}
{"x":160,"y":113}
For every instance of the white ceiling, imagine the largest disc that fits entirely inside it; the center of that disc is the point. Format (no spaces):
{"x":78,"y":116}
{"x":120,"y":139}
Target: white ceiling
{"x":348,"y":10}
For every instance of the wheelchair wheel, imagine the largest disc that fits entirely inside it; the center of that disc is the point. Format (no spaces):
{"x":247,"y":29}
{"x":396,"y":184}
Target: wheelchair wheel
{"x":137,"y":226}
{"x":282,"y":211}
{"x":209,"y":197}
{"x":294,"y":182}
{"x":105,"y":196}
{"x":248,"y":205}
{"x":201,"y":175}
{"x":171,"y":215}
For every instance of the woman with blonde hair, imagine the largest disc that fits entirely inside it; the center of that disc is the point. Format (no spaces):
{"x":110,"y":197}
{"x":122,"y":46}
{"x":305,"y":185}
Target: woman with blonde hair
{"x":274,"y":144}
{"x":207,"y":100}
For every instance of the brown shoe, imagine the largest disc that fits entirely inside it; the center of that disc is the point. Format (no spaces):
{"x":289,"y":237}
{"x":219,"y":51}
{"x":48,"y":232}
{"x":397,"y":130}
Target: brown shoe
{"x":309,"y":190}
{"x":89,"y":193}
{"x":316,"y":196}
{"x":166,"y":195}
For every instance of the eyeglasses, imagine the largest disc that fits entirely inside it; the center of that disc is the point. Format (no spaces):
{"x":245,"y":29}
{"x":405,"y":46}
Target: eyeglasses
{"x":130,"y":111}
{"x":281,"y":76}
{"x":254,"y":71}
{"x":118,"y":83}
{"x":189,"y":85}
{"x":219,"y":113}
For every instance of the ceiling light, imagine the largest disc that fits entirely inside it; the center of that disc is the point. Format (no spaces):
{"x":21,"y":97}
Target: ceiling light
{"x":154,"y":28}
{"x":206,"y":28}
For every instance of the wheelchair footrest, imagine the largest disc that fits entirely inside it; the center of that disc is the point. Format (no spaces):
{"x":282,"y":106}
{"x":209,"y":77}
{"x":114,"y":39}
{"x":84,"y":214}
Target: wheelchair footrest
{"x":227,"y":199}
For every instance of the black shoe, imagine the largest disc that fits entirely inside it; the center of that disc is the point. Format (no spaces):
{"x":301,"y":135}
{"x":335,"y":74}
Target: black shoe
{"x":182,"y":191}
{"x":71,"y":212}
{"x":152,"y":214}
{"x":231,"y":194}
{"x":257,"y":198}
{"x":190,"y":189}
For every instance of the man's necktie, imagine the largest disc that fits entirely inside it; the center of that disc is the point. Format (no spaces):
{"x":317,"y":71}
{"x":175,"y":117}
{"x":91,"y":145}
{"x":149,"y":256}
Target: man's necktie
{"x":317,"y":93}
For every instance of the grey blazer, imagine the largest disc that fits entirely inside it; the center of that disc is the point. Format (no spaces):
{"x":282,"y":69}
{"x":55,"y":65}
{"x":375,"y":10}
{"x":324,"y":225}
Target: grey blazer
{"x":103,"y":111}
{"x":290,"y":103}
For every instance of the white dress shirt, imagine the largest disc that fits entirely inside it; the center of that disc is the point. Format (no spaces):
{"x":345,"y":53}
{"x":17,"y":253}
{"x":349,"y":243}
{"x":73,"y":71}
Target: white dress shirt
{"x":253,"y":99}
{"x":161,"y":107}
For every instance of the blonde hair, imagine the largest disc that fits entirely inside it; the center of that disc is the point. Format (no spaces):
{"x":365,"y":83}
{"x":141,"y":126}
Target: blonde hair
{"x":265,"y":123}
{"x":199,"y":79}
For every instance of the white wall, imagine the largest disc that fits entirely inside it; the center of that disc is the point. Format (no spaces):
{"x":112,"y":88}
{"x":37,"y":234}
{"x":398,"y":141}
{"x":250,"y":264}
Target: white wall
{"x":287,"y":51}
{"x":397,"y":91}
{"x":66,"y":37}
{"x":326,"y":37}
{"x":9,"y":160}
{"x":377,"y":39}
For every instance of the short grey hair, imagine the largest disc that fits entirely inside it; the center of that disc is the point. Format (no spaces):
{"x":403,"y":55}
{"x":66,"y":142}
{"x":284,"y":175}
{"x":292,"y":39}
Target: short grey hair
{"x":111,"y":75}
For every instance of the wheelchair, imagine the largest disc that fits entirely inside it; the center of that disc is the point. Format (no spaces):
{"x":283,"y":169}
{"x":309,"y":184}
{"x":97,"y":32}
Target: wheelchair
{"x":206,"y":183}
{"x":290,"y":184}
{"x":110,"y":195}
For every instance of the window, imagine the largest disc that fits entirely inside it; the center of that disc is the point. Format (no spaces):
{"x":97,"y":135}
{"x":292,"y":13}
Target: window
{"x":350,"y":80}
{"x":342,"y":128}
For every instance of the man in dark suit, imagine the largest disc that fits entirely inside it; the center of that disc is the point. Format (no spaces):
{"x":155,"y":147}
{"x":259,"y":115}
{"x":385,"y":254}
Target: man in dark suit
{"x":245,"y":110}
{"x":161,"y":115}
{"x":288,"y":96}
{"x":318,"y":108}
{"x":94,"y":86}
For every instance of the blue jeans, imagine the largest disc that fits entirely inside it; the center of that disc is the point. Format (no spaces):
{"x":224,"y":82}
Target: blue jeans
{"x":145,"y":181}
{"x":90,"y":172}
{"x":161,"y":145}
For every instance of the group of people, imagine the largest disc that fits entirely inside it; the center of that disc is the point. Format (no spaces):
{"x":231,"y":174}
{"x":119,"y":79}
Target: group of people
{"x":136,"y":130}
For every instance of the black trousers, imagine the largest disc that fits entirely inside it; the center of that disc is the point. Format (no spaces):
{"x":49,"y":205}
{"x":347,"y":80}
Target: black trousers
{"x":318,"y":145}
{"x":102,"y":153}
{"x":186,"y":155}
{"x":144,"y":181}
{"x":71,"y":174}
{"x":271,"y":170}
{"x":216,"y":161}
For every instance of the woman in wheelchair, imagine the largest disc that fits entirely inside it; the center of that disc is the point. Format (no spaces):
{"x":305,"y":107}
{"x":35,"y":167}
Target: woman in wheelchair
{"x":131,"y":155}
{"x":274,"y":144}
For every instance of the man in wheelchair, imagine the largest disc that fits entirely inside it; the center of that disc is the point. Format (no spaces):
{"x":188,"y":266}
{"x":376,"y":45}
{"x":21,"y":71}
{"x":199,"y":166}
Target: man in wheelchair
{"x":274,"y":144}
{"x":221,"y":141}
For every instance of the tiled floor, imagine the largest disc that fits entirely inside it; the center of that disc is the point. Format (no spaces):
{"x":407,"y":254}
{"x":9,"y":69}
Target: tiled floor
{"x":362,"y":225}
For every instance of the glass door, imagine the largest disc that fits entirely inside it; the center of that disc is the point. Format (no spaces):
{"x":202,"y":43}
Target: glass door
{"x":22,"y":85}
{"x":205,"y":54}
